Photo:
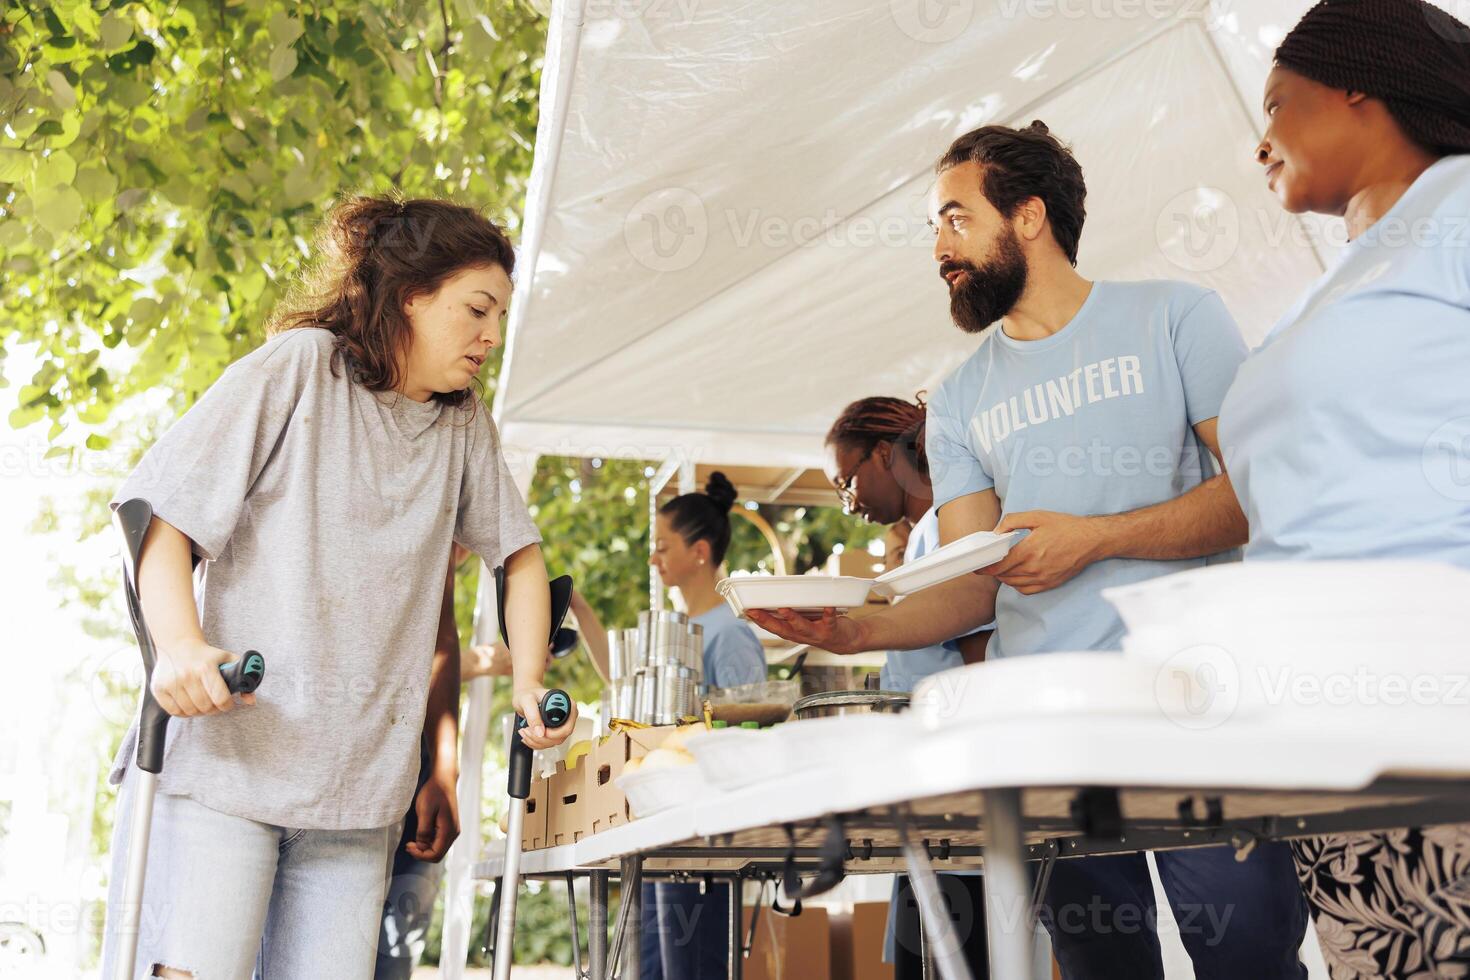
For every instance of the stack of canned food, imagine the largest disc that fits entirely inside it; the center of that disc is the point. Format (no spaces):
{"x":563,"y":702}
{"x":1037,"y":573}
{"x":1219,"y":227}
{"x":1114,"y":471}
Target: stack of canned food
{"x":657,"y":669}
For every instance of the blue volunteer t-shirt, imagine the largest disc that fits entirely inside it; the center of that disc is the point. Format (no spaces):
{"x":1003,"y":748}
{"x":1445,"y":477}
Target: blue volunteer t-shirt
{"x":1347,"y":433}
{"x":1095,"y":419}
{"x":732,"y":653}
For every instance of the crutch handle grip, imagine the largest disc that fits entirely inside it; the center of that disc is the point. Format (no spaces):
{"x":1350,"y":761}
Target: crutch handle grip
{"x":243,"y":676}
{"x":556,"y":708}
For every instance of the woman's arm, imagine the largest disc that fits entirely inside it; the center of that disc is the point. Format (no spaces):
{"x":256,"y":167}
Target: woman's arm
{"x":186,"y":679}
{"x":528,"y":623}
{"x":593,"y":634}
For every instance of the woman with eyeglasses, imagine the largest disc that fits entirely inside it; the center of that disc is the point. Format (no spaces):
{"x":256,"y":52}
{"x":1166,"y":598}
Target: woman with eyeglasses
{"x":877,"y":462}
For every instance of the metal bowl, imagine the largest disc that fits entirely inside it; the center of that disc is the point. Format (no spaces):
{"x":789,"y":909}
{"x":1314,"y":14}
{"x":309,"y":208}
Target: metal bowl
{"x":833,"y":704}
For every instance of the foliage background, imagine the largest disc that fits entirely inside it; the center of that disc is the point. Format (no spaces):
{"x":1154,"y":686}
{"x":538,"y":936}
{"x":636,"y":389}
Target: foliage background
{"x":162,"y":168}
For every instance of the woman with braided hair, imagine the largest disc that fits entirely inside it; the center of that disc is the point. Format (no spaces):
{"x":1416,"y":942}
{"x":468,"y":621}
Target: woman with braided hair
{"x":877,"y":462}
{"x":1346,"y":430}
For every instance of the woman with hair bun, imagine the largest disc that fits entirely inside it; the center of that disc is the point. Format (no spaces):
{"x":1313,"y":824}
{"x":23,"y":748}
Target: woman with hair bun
{"x":691,"y":536}
{"x":1347,"y":429}
{"x":686,"y":931}
{"x":321,"y":482}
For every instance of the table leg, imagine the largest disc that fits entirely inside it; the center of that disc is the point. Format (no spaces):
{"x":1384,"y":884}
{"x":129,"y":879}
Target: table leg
{"x":1007,"y":890}
{"x":737,"y":931}
{"x":597,"y":925}
{"x":939,"y":939}
{"x":630,"y":941}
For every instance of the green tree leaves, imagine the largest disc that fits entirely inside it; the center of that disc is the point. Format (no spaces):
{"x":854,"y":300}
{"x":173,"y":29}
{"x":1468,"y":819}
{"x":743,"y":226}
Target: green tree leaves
{"x":182,"y":153}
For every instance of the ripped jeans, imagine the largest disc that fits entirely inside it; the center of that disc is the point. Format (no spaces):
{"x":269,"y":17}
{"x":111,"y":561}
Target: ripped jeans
{"x":226,"y":897}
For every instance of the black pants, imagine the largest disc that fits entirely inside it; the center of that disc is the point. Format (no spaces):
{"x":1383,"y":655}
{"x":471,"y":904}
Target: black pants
{"x":964,"y":899}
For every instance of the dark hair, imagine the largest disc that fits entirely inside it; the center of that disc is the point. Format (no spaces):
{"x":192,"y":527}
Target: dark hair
{"x":1020,"y":164}
{"x":704,"y":516}
{"x":868,"y":421}
{"x":374,"y":254}
{"x":1411,"y":55}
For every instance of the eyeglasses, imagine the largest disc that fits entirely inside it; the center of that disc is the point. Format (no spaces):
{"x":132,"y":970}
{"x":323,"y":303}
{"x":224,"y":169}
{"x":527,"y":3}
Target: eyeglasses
{"x":845,"y":492}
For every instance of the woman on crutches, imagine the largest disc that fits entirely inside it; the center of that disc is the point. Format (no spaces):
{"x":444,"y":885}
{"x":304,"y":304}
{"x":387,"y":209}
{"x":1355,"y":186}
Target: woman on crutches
{"x":321,"y":482}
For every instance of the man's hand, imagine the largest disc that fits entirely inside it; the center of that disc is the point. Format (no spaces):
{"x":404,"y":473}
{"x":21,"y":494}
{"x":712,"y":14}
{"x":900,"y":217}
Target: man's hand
{"x":1058,"y":547}
{"x":437,"y":811}
{"x":830,"y":632}
{"x":527,"y":702}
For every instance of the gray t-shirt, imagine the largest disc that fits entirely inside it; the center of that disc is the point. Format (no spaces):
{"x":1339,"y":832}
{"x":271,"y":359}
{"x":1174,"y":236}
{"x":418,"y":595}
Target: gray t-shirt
{"x":324,"y":514}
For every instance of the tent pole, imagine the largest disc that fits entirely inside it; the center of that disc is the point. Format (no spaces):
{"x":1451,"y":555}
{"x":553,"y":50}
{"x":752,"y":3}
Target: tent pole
{"x":557,"y":76}
{"x":656,"y":484}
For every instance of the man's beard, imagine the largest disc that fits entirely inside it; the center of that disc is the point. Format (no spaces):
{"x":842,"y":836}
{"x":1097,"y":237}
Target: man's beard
{"x":988,"y":292}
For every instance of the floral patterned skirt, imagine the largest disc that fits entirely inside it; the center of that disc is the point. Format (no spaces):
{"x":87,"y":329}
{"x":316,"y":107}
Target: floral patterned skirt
{"x":1394,"y":905}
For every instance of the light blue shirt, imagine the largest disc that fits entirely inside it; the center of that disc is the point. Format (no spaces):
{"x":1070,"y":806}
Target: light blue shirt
{"x":732,"y":653}
{"x":905,"y":668}
{"x":1095,"y":419}
{"x":1347,"y":433}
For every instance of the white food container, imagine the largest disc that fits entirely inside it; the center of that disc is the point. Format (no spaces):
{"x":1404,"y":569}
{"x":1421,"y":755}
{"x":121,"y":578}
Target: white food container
{"x":730,"y":758}
{"x":1052,"y":684}
{"x":651,"y":791}
{"x":968,"y":554}
{"x":803,"y":593}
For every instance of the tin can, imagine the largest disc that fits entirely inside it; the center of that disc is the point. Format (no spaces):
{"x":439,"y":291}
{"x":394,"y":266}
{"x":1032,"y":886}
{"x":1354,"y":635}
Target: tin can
{"x":667,"y":642}
{"x":617,"y":655}
{"x":643,"y":639}
{"x":694,"y":646}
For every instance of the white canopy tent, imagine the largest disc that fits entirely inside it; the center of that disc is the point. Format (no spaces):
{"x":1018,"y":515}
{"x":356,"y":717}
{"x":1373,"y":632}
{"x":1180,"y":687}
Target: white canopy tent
{"x":725,"y":236}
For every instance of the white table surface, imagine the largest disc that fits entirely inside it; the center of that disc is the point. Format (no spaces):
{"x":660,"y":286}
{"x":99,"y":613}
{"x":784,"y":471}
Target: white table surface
{"x":1313,"y":750}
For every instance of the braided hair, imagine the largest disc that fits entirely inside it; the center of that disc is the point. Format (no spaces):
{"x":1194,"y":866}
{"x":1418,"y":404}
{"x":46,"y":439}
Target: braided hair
{"x":704,"y":516}
{"x":1411,"y":55}
{"x":869,"y":421}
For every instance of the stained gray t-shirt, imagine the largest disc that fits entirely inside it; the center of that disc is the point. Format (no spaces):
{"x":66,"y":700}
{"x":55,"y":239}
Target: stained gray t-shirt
{"x":324,"y":514}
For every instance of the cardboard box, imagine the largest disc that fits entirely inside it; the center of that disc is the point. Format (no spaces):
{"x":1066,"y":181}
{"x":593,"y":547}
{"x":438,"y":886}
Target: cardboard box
{"x":605,"y":804}
{"x":839,"y":934}
{"x":533,"y":828}
{"x":564,"y":805}
{"x":790,"y":946}
{"x":869,"y":926}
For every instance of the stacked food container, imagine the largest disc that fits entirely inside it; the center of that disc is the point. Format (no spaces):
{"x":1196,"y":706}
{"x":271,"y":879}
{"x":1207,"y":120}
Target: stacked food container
{"x":657,"y":669}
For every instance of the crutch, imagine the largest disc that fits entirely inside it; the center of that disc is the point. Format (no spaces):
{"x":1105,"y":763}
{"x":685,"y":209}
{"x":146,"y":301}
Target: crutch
{"x":241,"y":676}
{"x":556,"y":708}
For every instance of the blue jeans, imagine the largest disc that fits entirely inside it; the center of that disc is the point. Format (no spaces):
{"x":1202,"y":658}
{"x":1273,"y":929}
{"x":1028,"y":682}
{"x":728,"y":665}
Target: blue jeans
{"x":225,"y":895}
{"x":1237,"y":920}
{"x":648,"y":935}
{"x":408,"y":906}
{"x":407,"y":911}
{"x":685,"y":933}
